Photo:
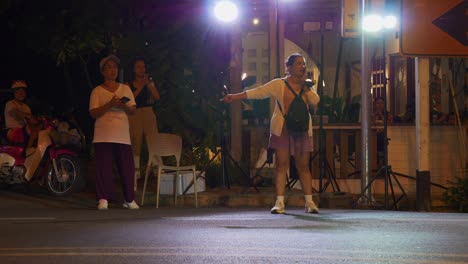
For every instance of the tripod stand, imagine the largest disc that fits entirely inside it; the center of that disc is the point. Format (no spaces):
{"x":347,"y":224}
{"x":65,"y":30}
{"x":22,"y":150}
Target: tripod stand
{"x":293,"y":177}
{"x":385,"y":170}
{"x":330,"y":176}
{"x":326,"y":171}
{"x":223,"y":151}
{"x":324,"y":165}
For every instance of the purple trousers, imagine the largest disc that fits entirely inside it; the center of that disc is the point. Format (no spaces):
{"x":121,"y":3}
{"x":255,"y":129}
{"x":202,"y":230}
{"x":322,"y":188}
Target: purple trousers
{"x":105,"y":156}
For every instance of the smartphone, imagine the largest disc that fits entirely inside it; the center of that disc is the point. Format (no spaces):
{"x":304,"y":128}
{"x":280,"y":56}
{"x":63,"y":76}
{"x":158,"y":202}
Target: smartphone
{"x":124,"y":99}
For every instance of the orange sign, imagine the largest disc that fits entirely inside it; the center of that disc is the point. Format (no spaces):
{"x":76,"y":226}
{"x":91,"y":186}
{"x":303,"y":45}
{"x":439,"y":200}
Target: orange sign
{"x":434,"y":28}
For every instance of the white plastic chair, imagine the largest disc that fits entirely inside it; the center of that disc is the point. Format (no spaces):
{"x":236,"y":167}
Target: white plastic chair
{"x":165,"y":145}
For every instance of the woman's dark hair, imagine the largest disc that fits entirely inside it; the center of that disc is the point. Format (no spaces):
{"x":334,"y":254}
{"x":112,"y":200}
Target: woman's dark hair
{"x":290,"y":60}
{"x":135,"y":60}
{"x":138,"y":58}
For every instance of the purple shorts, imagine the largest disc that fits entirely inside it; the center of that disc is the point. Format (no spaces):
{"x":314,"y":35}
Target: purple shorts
{"x":296,"y":143}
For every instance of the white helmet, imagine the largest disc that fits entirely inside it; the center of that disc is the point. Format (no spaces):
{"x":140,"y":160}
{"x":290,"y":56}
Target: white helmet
{"x":19,"y":84}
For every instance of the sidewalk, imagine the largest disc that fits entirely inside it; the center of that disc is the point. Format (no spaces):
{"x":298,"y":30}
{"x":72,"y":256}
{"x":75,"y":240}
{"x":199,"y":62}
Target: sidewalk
{"x":235,"y":196}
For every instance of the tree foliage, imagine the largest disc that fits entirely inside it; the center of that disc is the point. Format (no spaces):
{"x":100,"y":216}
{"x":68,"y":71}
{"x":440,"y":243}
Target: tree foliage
{"x":456,"y":195}
{"x":187,"y":57}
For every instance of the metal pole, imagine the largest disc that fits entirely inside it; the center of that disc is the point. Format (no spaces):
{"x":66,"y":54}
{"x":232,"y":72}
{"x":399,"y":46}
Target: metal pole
{"x":321,"y":131}
{"x":423,"y":136}
{"x":224,"y":179}
{"x":278,"y":65}
{"x":235,"y":72}
{"x":338,"y":66}
{"x":385,"y":163}
{"x":365,"y":115}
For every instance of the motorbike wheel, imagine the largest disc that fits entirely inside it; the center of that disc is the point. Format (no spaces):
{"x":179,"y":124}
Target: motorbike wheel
{"x":69,"y":179}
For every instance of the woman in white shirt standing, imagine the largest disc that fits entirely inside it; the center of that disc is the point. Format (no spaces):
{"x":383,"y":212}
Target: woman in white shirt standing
{"x":287,"y":143}
{"x":110,"y":104}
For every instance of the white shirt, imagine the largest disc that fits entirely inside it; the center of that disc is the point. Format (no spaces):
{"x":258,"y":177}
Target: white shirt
{"x":10,"y":120}
{"x":112,"y":126}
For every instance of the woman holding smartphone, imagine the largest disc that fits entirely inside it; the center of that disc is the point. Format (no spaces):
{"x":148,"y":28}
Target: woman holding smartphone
{"x":110,"y":105}
{"x":144,"y":122}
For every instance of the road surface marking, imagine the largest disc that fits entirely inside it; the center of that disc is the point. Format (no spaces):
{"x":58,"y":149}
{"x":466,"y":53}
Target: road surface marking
{"x":26,"y":218}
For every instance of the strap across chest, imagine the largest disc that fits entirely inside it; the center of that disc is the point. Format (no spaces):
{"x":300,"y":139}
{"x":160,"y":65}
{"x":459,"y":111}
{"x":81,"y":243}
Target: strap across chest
{"x":293,"y":92}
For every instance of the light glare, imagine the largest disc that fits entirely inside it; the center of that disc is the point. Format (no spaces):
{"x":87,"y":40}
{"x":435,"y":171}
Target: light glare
{"x":372,"y":23}
{"x":226,"y":11}
{"x":390,"y":22}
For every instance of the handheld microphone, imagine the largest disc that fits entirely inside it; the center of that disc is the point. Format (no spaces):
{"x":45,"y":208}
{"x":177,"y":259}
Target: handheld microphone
{"x":309,"y":83}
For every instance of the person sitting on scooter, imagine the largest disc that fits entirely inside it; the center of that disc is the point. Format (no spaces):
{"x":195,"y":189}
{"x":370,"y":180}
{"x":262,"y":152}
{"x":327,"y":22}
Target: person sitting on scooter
{"x":22,"y":126}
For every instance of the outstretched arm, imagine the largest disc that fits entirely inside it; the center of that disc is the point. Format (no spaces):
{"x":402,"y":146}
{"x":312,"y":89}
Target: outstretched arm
{"x":229,"y":98}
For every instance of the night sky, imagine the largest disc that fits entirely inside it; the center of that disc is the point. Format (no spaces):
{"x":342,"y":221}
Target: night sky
{"x":28,"y":25}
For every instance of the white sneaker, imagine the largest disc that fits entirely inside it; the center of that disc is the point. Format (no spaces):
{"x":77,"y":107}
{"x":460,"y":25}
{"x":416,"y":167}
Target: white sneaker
{"x":103,"y":205}
{"x":132,"y":205}
{"x":278,"y":208}
{"x":311,"y":208}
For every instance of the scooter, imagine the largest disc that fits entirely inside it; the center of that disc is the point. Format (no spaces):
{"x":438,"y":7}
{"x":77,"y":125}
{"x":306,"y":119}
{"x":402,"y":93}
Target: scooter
{"x":51,"y":164}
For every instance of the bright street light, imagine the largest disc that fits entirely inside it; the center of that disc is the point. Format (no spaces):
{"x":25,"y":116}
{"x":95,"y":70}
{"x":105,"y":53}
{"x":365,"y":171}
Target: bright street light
{"x":390,"y":22}
{"x":372,"y":23}
{"x":226,"y":11}
{"x":375,"y":23}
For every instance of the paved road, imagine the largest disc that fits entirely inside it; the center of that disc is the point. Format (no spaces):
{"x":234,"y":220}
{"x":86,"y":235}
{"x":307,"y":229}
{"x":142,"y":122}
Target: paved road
{"x":36,"y":228}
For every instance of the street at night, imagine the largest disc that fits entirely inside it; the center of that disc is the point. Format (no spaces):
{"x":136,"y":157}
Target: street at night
{"x":266,"y":131}
{"x":37,"y":228}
